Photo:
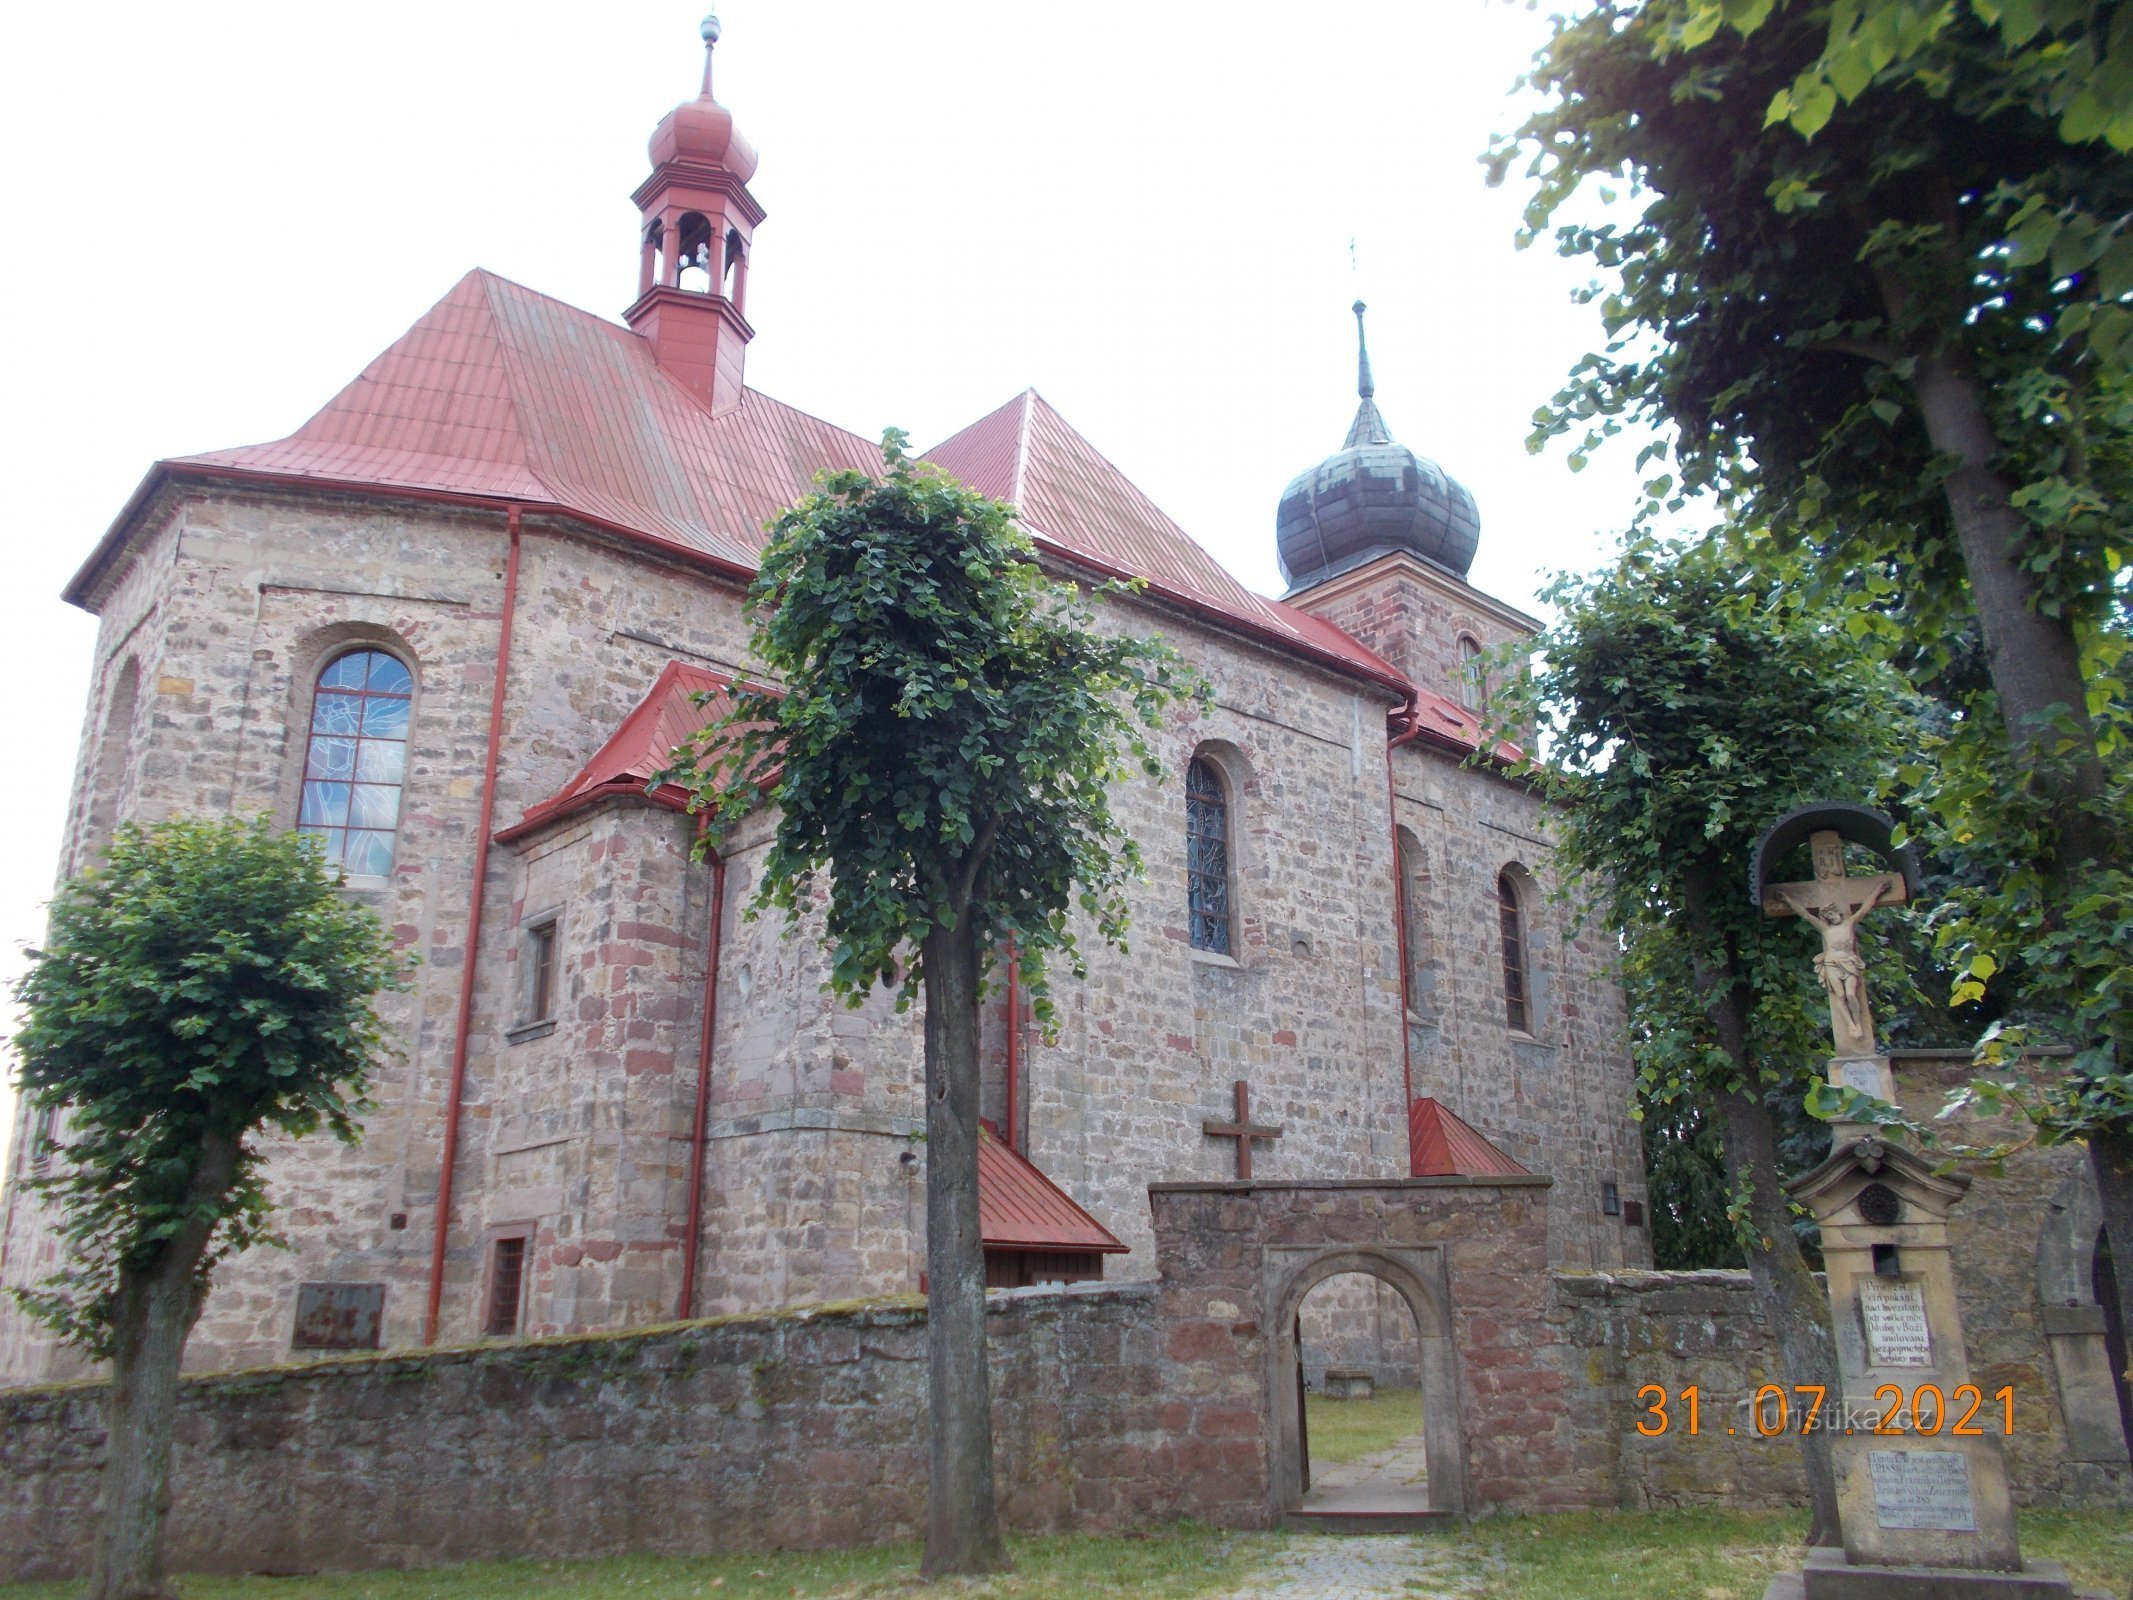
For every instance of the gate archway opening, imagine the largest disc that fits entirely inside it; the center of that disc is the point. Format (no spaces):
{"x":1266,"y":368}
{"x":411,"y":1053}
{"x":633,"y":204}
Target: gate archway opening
{"x":1381,"y":1313}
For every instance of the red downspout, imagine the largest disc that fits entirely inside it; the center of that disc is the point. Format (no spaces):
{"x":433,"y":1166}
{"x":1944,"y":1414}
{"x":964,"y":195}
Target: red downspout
{"x":1399,"y":914}
{"x":694,"y":1221}
{"x":463,"y":1026}
{"x":1014,"y":1041}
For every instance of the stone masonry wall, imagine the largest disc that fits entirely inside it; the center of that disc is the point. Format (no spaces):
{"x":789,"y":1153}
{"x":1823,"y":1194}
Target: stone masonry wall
{"x":577,"y":1135}
{"x":798,"y":1430}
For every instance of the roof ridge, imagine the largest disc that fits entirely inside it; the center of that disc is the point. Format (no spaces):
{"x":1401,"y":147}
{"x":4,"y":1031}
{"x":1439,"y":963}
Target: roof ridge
{"x":1021,"y":473}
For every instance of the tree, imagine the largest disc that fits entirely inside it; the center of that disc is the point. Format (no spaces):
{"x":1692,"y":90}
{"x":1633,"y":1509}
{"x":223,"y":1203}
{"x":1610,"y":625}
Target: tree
{"x":942,"y":739}
{"x":1877,"y":293}
{"x":1686,"y":702}
{"x":207,"y":982}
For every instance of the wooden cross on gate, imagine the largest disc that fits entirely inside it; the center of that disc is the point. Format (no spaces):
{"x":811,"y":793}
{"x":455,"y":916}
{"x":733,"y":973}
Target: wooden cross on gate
{"x":1244,"y":1130}
{"x":1832,"y":905}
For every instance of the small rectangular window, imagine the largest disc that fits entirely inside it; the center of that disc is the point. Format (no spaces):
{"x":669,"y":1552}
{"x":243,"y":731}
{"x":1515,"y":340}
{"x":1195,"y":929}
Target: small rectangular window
{"x":1610,"y":1200}
{"x":507,"y":1282}
{"x":540,"y":982}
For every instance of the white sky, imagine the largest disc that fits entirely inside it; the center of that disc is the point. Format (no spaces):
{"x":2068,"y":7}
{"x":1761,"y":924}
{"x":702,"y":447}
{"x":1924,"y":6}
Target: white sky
{"x":216,"y":214}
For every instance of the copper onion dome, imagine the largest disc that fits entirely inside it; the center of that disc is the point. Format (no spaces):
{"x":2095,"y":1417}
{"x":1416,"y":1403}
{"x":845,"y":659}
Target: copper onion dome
{"x":1372,"y":497}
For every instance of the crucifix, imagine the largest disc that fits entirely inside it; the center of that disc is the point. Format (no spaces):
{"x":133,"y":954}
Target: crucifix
{"x":1833,"y":904}
{"x":1244,"y":1130}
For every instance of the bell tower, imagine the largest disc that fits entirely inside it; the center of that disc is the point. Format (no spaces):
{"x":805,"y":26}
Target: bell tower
{"x":698,"y":226}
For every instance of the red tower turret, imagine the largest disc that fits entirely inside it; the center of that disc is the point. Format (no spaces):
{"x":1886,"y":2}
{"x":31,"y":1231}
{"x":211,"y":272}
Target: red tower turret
{"x":699,"y":218}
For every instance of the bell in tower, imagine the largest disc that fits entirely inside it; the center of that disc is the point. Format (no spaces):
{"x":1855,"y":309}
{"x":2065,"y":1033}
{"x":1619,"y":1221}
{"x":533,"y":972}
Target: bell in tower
{"x":699,"y":221}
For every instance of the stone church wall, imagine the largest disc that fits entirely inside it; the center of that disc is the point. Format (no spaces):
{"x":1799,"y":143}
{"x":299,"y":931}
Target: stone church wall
{"x":813,"y":1182}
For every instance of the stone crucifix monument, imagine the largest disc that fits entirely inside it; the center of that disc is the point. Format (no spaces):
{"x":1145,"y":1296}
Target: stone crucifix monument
{"x":1921,"y":1476}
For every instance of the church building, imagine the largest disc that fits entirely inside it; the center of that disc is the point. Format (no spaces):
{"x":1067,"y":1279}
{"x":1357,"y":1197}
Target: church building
{"x":453,"y":626}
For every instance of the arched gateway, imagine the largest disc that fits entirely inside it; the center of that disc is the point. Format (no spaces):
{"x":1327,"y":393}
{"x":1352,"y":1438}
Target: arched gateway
{"x":1417,"y":1275}
{"x":1469,"y":1258}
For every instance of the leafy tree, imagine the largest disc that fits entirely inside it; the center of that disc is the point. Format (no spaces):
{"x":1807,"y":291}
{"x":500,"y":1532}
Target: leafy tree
{"x":947,"y":727}
{"x":206,"y":983}
{"x":1686,"y":702}
{"x":1875,"y":288}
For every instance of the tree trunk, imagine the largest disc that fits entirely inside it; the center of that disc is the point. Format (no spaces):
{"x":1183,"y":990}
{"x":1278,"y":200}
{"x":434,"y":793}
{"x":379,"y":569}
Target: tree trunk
{"x":1786,"y":1294}
{"x":962,"y":1520}
{"x":2035,"y":662}
{"x":156,"y":1307}
{"x":2111,"y":1163}
{"x":2034,"y":659}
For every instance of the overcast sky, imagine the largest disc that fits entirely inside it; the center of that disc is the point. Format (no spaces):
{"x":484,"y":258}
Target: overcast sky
{"x":216,"y":214}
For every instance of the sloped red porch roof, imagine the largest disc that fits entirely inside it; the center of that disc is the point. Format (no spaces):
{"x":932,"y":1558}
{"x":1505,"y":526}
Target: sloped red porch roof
{"x":642,"y":746}
{"x":1444,"y":1146}
{"x":1019,"y":1208}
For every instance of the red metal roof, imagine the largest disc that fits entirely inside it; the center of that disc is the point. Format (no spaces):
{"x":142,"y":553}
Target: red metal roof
{"x":641,"y":746}
{"x":1019,"y":1208}
{"x":1076,"y":503}
{"x":1443,"y":1146}
{"x":499,"y":393}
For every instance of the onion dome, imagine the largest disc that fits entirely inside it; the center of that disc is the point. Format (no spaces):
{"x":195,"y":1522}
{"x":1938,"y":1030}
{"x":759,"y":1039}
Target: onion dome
{"x":1370,"y":498}
{"x":700,"y":131}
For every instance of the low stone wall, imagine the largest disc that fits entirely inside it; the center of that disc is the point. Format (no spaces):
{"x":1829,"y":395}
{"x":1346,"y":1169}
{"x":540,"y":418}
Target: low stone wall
{"x":795,"y":1430}
{"x":1618,"y":1332}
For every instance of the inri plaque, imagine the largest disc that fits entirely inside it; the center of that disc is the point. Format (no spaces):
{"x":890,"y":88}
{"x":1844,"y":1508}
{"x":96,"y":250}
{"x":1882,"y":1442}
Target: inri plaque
{"x":1895,"y":1316}
{"x":1922,"y":1489}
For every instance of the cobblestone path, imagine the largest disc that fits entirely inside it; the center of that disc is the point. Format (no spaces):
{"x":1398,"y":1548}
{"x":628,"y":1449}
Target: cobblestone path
{"x":1319,"y":1566}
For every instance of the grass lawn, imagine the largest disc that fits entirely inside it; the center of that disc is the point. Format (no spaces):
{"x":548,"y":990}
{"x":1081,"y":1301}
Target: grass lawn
{"x":1712,"y":1555}
{"x":1173,"y":1563}
{"x":1347,"y":1430}
{"x":1608,"y":1555}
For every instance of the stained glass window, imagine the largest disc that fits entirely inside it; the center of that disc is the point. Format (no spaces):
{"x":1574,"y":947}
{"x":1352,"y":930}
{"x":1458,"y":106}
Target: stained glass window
{"x":1207,"y":858}
{"x":1517,"y":1010}
{"x":357,"y":760}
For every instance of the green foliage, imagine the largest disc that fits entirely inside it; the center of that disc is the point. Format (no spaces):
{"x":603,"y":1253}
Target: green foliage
{"x":208,"y":980}
{"x":944,"y":734}
{"x":1830,"y":204}
{"x":1686,"y":701}
{"x":1768,"y":298}
{"x":2057,"y":953}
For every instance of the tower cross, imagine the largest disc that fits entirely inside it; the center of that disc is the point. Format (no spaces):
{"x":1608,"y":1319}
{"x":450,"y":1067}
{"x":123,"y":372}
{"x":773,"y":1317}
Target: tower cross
{"x":1833,"y":903}
{"x":1244,"y":1130}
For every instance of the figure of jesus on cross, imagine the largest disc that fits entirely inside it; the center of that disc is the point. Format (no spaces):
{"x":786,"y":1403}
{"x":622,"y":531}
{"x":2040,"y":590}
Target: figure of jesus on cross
{"x":1833,"y":904}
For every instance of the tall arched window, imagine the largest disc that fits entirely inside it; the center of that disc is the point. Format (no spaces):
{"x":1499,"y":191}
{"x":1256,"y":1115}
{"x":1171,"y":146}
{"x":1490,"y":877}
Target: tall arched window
{"x":1207,"y":857}
{"x":1473,"y":673}
{"x":357,"y":760}
{"x":1414,"y":915}
{"x":1517,"y":985}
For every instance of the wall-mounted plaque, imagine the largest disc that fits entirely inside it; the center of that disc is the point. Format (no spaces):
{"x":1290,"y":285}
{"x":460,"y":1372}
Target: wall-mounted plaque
{"x":1894,"y":1312}
{"x":338,"y":1316}
{"x":1922,"y":1489}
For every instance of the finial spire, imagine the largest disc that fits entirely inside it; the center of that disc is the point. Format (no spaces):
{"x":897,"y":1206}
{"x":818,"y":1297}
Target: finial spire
{"x":1364,"y":388}
{"x":710,"y":31}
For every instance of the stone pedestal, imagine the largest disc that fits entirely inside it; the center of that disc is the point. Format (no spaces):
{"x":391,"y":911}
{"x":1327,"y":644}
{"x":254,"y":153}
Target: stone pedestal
{"x":1829,"y":1577}
{"x":1921,"y":1474}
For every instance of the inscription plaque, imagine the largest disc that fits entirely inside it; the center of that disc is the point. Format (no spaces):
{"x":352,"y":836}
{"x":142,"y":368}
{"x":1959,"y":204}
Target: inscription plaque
{"x":338,"y":1316}
{"x":1895,"y":1318}
{"x":1864,"y":1076}
{"x":1922,"y":1489}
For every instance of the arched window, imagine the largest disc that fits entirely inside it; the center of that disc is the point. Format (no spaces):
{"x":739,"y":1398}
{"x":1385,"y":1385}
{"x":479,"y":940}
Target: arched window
{"x":1414,"y":913}
{"x":1517,"y":985}
{"x":1207,"y":857}
{"x":1473,"y":672}
{"x":357,"y":760}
